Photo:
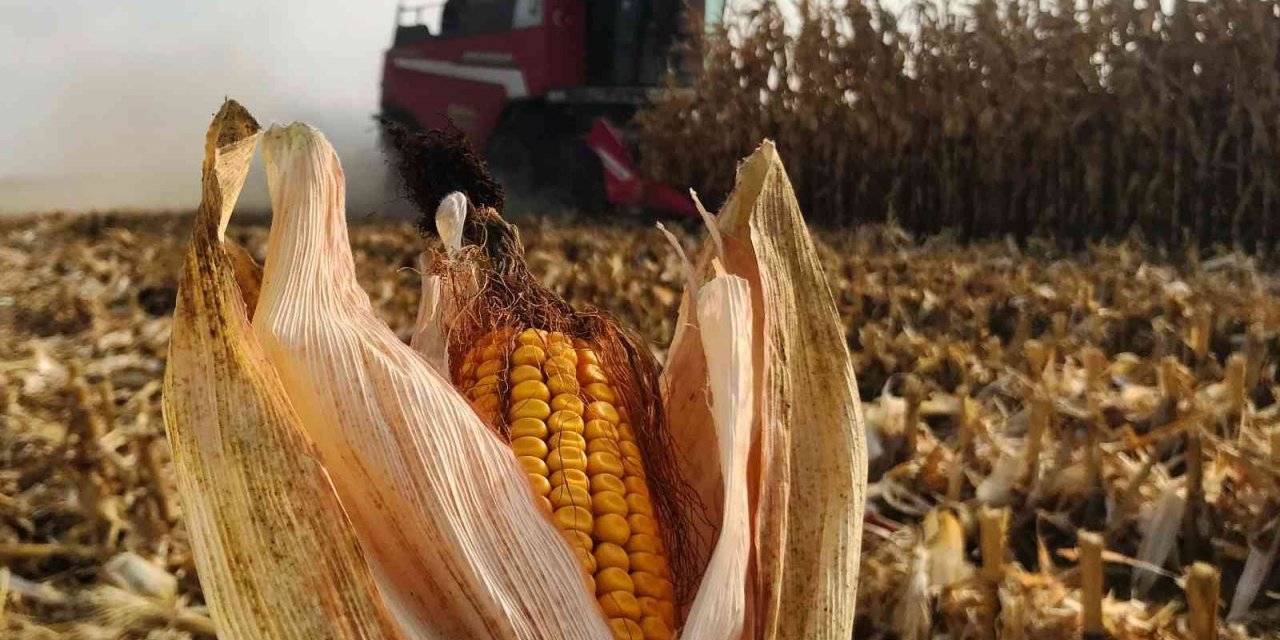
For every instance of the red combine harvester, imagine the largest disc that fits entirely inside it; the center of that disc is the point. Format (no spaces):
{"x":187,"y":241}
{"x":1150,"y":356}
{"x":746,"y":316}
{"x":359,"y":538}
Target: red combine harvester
{"x":541,"y":86}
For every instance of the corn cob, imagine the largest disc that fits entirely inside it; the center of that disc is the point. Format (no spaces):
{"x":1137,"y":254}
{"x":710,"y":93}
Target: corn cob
{"x":574,"y":440}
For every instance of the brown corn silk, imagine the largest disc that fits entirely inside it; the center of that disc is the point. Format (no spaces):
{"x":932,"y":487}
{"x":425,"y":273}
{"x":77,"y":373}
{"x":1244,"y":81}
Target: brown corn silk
{"x":275,"y":552}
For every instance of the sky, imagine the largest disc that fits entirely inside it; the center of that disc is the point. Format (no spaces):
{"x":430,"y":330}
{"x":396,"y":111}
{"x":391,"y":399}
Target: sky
{"x":104,"y":104}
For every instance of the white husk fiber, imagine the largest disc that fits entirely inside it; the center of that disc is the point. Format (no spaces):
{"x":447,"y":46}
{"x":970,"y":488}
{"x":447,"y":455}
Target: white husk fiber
{"x":443,"y":510}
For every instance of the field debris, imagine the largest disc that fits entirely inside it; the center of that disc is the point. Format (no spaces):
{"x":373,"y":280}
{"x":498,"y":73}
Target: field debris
{"x":1018,"y":400}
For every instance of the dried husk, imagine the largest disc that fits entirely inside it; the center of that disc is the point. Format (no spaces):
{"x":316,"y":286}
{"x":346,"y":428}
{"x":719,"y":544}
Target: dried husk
{"x":276,"y":554}
{"x":444,"y":512}
{"x":808,"y":471}
{"x":724,"y":321}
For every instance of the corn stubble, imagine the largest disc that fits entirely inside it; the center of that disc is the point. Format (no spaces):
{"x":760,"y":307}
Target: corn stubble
{"x":521,"y":469}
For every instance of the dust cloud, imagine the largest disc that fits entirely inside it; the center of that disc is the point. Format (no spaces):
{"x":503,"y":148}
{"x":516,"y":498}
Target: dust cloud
{"x":104,"y":105}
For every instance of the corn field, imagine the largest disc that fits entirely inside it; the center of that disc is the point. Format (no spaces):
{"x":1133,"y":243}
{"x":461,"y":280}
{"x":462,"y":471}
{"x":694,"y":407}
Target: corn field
{"x":1078,"y":120}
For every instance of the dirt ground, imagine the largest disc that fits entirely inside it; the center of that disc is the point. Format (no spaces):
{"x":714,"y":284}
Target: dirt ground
{"x":1105,"y":390}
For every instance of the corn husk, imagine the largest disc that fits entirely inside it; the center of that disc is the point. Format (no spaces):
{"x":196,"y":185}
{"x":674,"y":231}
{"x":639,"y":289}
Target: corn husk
{"x":812,"y":466}
{"x":276,"y":554}
{"x":442,"y":536}
{"x":724,"y":322}
{"x":458,"y":546}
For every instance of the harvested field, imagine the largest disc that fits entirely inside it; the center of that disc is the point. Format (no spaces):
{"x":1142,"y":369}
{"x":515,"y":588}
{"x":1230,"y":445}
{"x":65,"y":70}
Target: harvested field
{"x":1014,"y":397}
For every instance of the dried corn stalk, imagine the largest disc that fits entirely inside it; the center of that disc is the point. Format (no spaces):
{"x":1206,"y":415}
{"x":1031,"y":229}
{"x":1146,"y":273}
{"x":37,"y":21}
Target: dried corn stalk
{"x":523,"y":470}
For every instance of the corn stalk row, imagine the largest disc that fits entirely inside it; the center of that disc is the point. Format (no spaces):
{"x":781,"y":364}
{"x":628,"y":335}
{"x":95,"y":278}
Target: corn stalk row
{"x":1078,"y":119}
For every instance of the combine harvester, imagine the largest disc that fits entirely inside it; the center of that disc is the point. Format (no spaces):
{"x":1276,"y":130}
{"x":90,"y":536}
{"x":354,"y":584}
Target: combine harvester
{"x":543,"y":87}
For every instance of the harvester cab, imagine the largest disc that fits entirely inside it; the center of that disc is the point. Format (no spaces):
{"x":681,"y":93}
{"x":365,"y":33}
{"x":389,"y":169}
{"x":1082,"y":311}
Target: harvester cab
{"x":543,"y":87}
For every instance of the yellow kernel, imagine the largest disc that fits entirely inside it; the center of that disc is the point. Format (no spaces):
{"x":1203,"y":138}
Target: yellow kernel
{"x":468,"y":370}
{"x":565,"y":421}
{"x":530,"y":389}
{"x":625,"y":433}
{"x":613,"y":579}
{"x":630,"y":448}
{"x":487,"y":403}
{"x":546,"y":504}
{"x":607,"y":482}
{"x":568,"y":495}
{"x":655,"y":628}
{"x":609,"y":554}
{"x":637,"y":503}
{"x":529,"y":408}
{"x":488,"y":368}
{"x":562,"y":383}
{"x":578,"y":538}
{"x":529,"y":446}
{"x":620,"y":604}
{"x":600,"y":391}
{"x":625,"y":629}
{"x":664,"y":609}
{"x":568,"y":402}
{"x":525,"y":372}
{"x":609,"y":502}
{"x":641,"y":523}
{"x":614,"y":528}
{"x":575,"y":477}
{"x":529,"y":354}
{"x":648,"y":562}
{"x":541,"y":486}
{"x":602,"y":411}
{"x":603,"y":445}
{"x":601,"y":429}
{"x":632,"y":466}
{"x":642,"y":543}
{"x":567,"y":439}
{"x":493,"y":350}
{"x":483,"y":387}
{"x":647,"y":584}
{"x":532,"y":336}
{"x":567,"y":458}
{"x":562,"y":350}
{"x":559,"y":366}
{"x":604,"y":462}
{"x":636,"y":485}
{"x":558,"y":338}
{"x":586,"y":558}
{"x":576,"y":518}
{"x":533,"y":465}
{"x":591,"y":373}
{"x":527,"y":427}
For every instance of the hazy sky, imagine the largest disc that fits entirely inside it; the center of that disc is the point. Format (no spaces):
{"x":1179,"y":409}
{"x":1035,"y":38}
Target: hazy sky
{"x":104,"y":104}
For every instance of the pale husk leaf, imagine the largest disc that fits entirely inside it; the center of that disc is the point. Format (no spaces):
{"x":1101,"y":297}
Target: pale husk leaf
{"x":276,"y":554}
{"x":812,"y":447}
{"x":441,"y":294}
{"x":429,"y":338}
{"x":724,"y":319}
{"x":443,"y":510}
